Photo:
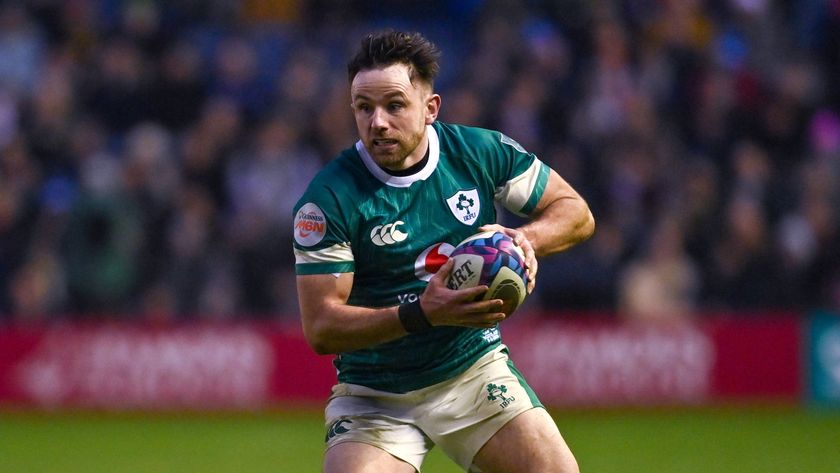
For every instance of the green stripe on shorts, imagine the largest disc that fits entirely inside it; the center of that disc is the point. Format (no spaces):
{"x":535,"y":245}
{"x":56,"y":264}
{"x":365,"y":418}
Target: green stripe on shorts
{"x":531,"y":394}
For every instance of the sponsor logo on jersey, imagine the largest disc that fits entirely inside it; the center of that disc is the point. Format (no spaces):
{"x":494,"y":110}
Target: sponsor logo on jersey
{"x":465,"y":206}
{"x":310,"y":225}
{"x":388,"y":234}
{"x":431,"y":259}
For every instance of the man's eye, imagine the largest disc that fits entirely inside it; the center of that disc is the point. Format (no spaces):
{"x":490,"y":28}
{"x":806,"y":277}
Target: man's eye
{"x":396,"y":106}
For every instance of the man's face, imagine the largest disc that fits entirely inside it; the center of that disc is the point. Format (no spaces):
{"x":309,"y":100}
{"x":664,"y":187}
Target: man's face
{"x":391,"y":114}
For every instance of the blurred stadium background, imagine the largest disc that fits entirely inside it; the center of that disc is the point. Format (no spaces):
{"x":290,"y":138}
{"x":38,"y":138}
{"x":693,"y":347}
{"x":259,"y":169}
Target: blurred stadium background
{"x":151,"y":152}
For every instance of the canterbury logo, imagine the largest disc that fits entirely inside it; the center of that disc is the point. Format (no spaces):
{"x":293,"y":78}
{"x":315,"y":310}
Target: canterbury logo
{"x":388,"y":234}
{"x":337,"y":429}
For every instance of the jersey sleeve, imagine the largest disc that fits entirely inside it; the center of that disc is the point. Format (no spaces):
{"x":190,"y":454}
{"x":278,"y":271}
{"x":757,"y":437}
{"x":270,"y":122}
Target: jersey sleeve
{"x":321,"y":237}
{"x":520,"y":179}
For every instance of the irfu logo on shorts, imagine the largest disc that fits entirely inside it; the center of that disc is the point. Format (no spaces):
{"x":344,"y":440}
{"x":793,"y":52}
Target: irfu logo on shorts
{"x":495,"y":393}
{"x":337,"y":428}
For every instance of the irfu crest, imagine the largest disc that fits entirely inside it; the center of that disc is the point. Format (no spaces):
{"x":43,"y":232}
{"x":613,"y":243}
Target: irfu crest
{"x":498,"y":393}
{"x":465,"y":206}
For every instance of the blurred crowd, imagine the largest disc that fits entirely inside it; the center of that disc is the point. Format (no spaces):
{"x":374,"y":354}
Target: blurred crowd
{"x":151,"y":152}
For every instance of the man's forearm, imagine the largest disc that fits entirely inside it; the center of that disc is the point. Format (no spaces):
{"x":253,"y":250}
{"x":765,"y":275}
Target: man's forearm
{"x":342,"y":328}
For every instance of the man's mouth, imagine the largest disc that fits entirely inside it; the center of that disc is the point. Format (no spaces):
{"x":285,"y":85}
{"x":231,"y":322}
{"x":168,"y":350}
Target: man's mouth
{"x":384,"y":142}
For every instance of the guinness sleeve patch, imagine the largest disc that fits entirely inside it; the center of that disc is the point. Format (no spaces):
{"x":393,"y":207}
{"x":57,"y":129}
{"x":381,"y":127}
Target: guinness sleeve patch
{"x":310,"y":225}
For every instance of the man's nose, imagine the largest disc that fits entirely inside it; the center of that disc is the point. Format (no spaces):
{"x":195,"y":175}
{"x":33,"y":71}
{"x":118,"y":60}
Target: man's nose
{"x":378,"y":119}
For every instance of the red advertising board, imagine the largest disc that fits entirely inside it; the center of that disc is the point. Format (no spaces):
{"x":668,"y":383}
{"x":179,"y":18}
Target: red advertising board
{"x":610,"y":363}
{"x":760,"y":357}
{"x":124,"y":366}
{"x":251,"y":366}
{"x":576,"y":363}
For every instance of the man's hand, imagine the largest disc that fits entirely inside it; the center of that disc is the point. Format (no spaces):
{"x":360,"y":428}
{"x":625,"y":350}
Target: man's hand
{"x":444,"y":306}
{"x":521,"y":241}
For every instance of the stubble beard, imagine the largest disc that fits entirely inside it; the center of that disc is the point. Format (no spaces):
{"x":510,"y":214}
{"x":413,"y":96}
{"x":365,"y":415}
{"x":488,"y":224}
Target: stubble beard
{"x":395,"y":159}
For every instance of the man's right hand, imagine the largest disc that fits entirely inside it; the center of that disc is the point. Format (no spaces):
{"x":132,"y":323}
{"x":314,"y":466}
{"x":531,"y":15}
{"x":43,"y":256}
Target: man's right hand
{"x":462,"y":307}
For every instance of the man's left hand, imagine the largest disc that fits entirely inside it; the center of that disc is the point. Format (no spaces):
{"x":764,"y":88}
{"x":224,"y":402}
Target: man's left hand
{"x":521,"y":241}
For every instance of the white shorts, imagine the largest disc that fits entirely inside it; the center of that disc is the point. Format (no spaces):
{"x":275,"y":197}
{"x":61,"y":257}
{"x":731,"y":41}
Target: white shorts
{"x":460,"y":415}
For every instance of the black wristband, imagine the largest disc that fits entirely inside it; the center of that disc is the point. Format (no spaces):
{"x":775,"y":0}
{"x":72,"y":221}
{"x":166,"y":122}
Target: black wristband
{"x":412,"y":318}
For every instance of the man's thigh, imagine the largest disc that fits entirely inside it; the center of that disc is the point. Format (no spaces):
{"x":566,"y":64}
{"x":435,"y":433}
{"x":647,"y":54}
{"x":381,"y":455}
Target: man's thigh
{"x":384,"y":422}
{"x":476,"y":405}
{"x":356,"y":457}
{"x":530,"y":442}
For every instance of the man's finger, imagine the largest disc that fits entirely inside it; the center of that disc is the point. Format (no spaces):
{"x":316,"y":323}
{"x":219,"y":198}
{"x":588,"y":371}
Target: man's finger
{"x":444,"y":270}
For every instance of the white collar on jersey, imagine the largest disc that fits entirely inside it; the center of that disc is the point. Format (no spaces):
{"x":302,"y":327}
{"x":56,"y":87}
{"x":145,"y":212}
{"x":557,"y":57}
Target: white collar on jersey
{"x":404,"y":181}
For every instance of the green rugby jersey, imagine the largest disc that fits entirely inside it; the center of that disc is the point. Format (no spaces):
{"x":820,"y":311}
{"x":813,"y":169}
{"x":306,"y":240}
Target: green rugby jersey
{"x":394,"y":232}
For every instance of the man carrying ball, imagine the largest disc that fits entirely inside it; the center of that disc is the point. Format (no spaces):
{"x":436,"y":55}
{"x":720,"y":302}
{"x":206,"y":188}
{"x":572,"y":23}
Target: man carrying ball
{"x":420,"y":364}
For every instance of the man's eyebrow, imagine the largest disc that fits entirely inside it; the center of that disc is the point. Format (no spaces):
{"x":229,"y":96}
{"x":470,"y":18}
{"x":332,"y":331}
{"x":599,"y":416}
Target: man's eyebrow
{"x":390,"y":95}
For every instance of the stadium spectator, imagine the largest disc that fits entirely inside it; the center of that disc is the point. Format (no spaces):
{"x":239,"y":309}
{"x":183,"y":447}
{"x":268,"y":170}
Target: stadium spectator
{"x":663,"y":283}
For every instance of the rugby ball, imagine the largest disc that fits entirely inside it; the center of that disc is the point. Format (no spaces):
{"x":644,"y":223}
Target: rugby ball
{"x":494,"y":260}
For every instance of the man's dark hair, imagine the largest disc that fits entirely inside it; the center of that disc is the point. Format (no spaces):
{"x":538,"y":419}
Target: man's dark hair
{"x":394,"y":47}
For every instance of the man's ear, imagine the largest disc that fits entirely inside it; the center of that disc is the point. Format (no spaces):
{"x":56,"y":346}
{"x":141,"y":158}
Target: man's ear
{"x":432,"y":108}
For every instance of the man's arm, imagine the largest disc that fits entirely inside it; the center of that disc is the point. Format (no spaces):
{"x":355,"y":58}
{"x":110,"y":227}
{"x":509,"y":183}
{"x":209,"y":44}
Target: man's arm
{"x":560,"y":220}
{"x":330,"y":325}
